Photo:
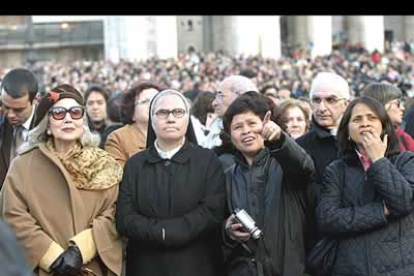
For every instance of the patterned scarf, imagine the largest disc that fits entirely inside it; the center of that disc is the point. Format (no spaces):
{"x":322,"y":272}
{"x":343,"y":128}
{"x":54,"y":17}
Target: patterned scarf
{"x":90,"y":168}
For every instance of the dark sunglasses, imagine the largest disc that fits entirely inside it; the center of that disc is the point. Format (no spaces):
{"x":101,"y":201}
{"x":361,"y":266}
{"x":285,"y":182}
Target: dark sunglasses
{"x":59,"y":113}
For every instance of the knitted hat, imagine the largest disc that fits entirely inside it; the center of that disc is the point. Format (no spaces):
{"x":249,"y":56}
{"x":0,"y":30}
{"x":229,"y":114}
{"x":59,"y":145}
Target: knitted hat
{"x":63,"y":91}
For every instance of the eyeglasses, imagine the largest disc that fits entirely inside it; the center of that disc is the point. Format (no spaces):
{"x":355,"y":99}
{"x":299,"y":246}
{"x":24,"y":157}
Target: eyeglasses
{"x":398,"y":103}
{"x":328,"y":100}
{"x":164,"y":113}
{"x":219,"y":95}
{"x":59,"y":113}
{"x":141,"y":102}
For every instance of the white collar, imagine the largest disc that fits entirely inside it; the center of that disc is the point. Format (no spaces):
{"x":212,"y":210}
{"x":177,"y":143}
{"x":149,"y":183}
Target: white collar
{"x":168,"y":154}
{"x":28,"y":122}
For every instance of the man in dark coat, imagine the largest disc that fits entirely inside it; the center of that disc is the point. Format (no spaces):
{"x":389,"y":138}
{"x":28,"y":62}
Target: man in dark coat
{"x":329,"y":97}
{"x":18,"y":90}
{"x":96,"y":98}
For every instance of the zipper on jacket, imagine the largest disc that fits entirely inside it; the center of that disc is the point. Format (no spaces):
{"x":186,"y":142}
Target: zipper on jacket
{"x":367,"y":261}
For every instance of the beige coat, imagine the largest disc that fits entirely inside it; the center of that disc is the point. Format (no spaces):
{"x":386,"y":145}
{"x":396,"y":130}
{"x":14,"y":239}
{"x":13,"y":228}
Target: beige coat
{"x":40,"y":202}
{"x":125,"y":142}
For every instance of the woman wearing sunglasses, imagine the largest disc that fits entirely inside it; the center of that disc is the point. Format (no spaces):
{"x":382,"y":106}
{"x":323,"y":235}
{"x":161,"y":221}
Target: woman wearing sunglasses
{"x":59,"y":194}
{"x":171,"y":198}
{"x":390,"y":97}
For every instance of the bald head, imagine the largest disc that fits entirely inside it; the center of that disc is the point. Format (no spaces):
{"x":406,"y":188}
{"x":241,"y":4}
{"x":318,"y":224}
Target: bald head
{"x":330,"y":96}
{"x":237,"y":84}
{"x":229,"y":89}
{"x":331,"y":82}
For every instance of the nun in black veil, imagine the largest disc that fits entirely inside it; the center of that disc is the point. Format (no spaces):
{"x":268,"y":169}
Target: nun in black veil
{"x":172,"y":198}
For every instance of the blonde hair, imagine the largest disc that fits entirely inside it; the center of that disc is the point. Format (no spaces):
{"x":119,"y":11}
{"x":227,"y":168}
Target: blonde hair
{"x":291,"y":103}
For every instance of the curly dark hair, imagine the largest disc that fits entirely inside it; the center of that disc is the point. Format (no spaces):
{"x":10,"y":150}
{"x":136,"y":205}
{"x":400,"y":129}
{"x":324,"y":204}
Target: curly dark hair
{"x":128,"y":104}
{"x":254,"y":102}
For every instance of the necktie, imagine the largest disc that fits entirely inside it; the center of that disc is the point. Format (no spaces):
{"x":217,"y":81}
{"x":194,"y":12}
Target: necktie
{"x":17,"y":140}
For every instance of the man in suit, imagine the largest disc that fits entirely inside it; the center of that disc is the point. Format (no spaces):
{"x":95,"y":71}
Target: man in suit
{"x":18,"y":90}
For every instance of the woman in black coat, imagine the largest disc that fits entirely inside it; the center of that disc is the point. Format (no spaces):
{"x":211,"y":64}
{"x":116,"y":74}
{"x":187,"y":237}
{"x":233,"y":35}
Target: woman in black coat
{"x":273,"y":181}
{"x":171,"y":199}
{"x":367,"y":198}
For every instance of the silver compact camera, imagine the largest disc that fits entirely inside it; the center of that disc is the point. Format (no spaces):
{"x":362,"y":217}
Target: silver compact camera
{"x":248,"y":223}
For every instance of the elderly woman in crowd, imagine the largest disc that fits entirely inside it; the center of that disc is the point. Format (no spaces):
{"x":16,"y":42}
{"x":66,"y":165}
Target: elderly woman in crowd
{"x":272,"y":180}
{"x":131,"y":138}
{"x":390,"y":96}
{"x":295,"y":116}
{"x":60,"y":192}
{"x":367,"y":202}
{"x":171,"y":199}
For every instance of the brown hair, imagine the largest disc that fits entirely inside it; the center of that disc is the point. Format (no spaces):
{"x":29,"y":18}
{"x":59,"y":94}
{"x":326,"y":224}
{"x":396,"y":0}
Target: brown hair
{"x":290,"y":103}
{"x":128,"y":103}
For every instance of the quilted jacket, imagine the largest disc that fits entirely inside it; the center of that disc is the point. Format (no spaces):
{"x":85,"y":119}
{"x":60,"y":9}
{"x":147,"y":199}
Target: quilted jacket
{"x":351,"y":209}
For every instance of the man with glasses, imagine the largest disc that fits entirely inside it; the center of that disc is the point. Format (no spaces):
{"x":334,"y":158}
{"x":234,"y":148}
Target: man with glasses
{"x":228,"y":90}
{"x":18,"y":89}
{"x":329,"y":96}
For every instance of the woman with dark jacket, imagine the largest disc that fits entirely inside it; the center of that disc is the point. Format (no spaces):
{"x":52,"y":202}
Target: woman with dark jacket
{"x":226,"y":150}
{"x":272,"y":180}
{"x":367,"y":200}
{"x":172,"y":198}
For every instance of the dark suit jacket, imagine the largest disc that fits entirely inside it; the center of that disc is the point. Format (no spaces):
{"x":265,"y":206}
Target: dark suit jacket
{"x":6,"y":137}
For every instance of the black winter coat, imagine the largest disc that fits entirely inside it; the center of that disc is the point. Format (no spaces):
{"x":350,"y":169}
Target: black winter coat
{"x":171,"y":210}
{"x":6,"y":140}
{"x":351,"y":209}
{"x":321,"y":145}
{"x":278,"y":188}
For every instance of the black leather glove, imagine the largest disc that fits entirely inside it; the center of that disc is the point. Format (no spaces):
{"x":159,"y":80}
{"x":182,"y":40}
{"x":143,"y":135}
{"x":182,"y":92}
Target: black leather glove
{"x":69,"y":263}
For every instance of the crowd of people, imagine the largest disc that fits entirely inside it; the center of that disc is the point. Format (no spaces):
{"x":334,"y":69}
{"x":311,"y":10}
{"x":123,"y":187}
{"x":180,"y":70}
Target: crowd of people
{"x":211,"y":165}
{"x":195,"y":71}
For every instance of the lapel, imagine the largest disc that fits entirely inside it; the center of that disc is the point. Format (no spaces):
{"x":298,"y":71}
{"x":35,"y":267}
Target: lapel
{"x":6,"y":138}
{"x":7,"y":132}
{"x":75,"y":197}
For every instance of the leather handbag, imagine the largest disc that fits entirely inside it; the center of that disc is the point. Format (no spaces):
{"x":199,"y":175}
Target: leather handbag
{"x":321,"y":258}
